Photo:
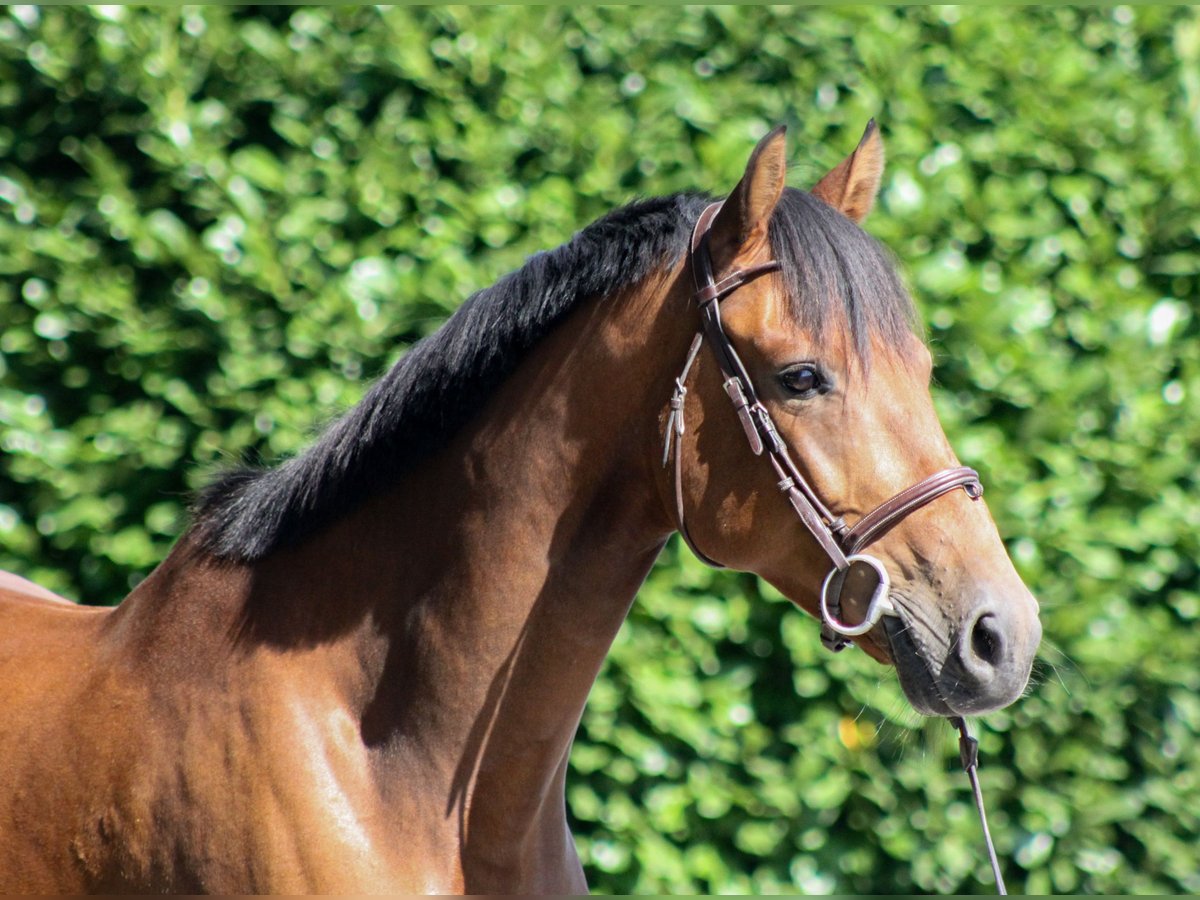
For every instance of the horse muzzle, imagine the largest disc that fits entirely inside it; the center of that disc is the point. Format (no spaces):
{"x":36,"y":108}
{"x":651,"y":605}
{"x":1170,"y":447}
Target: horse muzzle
{"x":978,"y":665}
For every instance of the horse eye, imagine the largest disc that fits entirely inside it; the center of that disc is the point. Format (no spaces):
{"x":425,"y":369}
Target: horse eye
{"x":802,"y":380}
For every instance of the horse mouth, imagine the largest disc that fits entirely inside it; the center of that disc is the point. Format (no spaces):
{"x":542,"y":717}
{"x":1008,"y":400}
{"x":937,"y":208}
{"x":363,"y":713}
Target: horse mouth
{"x":917,"y":678}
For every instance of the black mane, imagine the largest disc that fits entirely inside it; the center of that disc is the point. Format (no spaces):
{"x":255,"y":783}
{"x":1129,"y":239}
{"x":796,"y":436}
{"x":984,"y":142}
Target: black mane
{"x":833,"y":271}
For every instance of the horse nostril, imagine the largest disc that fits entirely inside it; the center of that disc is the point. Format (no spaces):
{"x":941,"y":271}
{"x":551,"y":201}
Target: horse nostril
{"x":987,"y":641}
{"x":988,"y":666}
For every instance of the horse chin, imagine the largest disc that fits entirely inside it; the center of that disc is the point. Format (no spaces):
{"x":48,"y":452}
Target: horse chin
{"x":917,"y":679}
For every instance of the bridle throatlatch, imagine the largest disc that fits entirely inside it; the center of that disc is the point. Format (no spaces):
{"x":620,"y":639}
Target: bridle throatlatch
{"x":843,"y":544}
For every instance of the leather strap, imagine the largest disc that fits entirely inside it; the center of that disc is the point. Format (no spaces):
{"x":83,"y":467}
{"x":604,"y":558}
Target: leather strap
{"x":968,"y":754}
{"x":816,"y":518}
{"x":888,"y":514}
{"x":675,"y":430}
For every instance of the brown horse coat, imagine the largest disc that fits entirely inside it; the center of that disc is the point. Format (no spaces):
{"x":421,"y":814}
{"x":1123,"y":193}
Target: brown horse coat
{"x":387,"y":702}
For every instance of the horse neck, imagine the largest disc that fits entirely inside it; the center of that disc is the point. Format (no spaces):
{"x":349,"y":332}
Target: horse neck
{"x":548,"y":521}
{"x":466,"y":611}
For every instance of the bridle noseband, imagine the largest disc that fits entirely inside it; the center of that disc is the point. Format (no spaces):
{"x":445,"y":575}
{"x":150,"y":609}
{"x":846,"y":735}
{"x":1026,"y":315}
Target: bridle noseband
{"x":841,"y":543}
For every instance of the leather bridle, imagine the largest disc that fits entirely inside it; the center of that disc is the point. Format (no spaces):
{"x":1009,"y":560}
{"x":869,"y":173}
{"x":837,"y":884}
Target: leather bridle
{"x":841,"y":543}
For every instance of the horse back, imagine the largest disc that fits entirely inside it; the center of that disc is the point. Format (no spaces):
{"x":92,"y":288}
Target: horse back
{"x":47,"y":647}
{"x":14,"y":588}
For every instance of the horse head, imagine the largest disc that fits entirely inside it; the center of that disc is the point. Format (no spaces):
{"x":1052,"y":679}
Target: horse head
{"x":812,"y":336}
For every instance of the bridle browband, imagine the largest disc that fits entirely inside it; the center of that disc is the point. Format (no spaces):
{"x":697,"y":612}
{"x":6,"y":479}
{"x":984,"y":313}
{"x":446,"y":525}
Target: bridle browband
{"x":841,"y":543}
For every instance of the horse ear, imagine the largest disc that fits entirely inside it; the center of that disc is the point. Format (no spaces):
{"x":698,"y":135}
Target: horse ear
{"x":743,"y":219}
{"x":850,"y":186}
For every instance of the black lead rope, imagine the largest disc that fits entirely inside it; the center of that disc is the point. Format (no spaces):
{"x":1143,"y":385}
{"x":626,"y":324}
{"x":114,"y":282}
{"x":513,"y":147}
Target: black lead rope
{"x":968,"y":752}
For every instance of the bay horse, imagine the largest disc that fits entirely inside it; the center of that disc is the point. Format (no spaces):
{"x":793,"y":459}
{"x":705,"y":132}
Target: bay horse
{"x":362,"y":670}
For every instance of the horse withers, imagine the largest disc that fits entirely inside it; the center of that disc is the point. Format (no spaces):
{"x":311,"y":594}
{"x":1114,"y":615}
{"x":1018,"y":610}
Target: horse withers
{"x":362,"y":670}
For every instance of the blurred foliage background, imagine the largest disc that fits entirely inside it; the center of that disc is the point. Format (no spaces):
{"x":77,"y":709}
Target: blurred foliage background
{"x":217,"y":224}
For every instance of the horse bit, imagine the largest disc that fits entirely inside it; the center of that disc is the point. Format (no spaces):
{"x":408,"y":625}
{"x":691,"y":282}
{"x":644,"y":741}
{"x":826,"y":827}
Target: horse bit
{"x":841,"y":543}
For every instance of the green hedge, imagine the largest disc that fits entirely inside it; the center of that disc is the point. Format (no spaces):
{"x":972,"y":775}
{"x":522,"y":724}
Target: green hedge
{"x":217,"y":224}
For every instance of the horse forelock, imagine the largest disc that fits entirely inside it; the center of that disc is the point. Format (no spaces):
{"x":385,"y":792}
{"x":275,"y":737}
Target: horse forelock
{"x":838,"y":276}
